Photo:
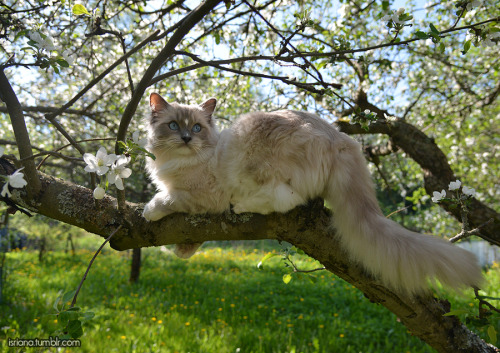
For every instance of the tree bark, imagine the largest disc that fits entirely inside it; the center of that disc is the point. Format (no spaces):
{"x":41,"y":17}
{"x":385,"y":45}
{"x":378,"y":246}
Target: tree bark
{"x":306,"y":227}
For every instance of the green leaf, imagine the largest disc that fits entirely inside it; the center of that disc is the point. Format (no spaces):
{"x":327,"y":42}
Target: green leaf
{"x":265,"y":258}
{"x":457,"y":312}
{"x":56,"y":303}
{"x":297,"y":250}
{"x":68,"y":296}
{"x":88,"y":315}
{"x":492,"y":334}
{"x":62,"y":63}
{"x":441,"y":47}
{"x":466,"y":46}
{"x":435,"y":38}
{"x":19,"y":34}
{"x":434,"y":29}
{"x":66,"y":316}
{"x":421,"y":35}
{"x":79,"y":9}
{"x":287,"y":278}
{"x":75,"y":328}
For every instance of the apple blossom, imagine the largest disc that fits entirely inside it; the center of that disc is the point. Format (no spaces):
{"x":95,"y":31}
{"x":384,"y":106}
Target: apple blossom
{"x":468,"y":191}
{"x":437,"y":196}
{"x":15,"y":180}
{"x":99,"y":163}
{"x":119,"y":171}
{"x":454,"y":185}
{"x":140,"y":141}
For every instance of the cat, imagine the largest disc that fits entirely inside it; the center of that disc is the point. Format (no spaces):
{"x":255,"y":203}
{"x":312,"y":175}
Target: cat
{"x":273,"y":162}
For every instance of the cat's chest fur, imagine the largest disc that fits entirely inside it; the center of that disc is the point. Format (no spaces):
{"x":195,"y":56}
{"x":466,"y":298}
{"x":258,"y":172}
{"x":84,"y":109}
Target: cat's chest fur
{"x":188,"y":175}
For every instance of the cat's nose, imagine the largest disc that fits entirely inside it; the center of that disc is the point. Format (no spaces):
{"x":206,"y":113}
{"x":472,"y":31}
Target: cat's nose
{"x":186,"y":138}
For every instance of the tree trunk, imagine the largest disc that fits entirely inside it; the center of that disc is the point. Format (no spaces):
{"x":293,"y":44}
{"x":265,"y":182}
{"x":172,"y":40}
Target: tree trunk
{"x":135,"y":268}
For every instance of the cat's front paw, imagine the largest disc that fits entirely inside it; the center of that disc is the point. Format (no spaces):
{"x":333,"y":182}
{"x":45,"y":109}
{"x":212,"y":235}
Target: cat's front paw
{"x":152,"y":213}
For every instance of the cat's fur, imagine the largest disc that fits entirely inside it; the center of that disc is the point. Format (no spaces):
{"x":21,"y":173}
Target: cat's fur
{"x":272,"y":162}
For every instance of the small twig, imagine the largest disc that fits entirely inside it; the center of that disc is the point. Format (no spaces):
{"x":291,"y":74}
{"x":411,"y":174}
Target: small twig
{"x":397,"y":211}
{"x":459,"y":17}
{"x":482,"y":303}
{"x":52,"y":153}
{"x":99,"y":31}
{"x":65,"y":146}
{"x":297,"y":270}
{"x":467,"y":233}
{"x":73,"y":302}
{"x":285,"y":42}
{"x":91,"y":84}
{"x":308,"y":271}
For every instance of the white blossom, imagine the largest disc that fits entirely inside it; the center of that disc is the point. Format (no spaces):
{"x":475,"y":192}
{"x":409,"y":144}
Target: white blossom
{"x":437,"y":196}
{"x":140,"y":141}
{"x":119,"y":171}
{"x":468,"y":191}
{"x":70,"y":58}
{"x":15,"y":180}
{"x":488,"y":41}
{"x":454,"y":185}
{"x":44,"y":43}
{"x":389,"y":117}
{"x":473,"y":3}
{"x":99,"y":163}
{"x":393,"y":16}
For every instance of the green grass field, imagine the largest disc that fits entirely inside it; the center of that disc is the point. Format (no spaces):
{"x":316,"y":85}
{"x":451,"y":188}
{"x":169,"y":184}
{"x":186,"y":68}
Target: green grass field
{"x":218,"y":301}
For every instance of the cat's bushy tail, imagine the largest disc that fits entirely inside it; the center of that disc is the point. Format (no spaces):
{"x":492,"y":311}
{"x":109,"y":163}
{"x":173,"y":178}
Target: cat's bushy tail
{"x":401,"y":259}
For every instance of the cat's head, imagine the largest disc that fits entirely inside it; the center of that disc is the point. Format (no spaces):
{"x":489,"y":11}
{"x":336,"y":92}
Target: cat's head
{"x":178,"y":129}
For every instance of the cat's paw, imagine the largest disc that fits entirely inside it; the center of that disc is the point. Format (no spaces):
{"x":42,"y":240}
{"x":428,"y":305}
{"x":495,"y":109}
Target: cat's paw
{"x":238,"y":209}
{"x":152,"y":213}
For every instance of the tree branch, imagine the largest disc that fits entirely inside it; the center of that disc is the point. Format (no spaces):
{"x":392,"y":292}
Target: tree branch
{"x":307,"y":227}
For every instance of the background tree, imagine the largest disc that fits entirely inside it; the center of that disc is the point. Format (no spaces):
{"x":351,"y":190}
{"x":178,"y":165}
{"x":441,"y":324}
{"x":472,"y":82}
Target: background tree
{"x":419,"y":86}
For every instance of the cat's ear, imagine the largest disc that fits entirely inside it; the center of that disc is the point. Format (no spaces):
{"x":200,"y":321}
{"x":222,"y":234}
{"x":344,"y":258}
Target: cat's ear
{"x":209,"y":107}
{"x":157,"y":103}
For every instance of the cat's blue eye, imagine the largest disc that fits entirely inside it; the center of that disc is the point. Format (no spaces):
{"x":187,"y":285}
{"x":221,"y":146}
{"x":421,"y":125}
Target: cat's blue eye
{"x":173,"y":126}
{"x":196,"y":128}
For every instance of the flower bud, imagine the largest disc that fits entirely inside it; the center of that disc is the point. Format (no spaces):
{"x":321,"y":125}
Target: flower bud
{"x":99,"y":193}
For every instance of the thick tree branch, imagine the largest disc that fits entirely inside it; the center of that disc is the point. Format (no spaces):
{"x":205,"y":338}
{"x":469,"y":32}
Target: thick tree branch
{"x":307,"y":227}
{"x":23,"y":142}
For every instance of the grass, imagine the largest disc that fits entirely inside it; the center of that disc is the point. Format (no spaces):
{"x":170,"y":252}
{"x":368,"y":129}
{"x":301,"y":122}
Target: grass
{"x":218,"y":301}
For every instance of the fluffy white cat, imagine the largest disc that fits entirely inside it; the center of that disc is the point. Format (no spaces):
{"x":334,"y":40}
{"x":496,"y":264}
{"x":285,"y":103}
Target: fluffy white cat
{"x":273,"y":162}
